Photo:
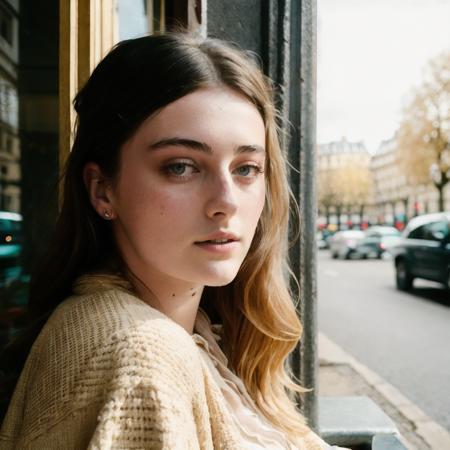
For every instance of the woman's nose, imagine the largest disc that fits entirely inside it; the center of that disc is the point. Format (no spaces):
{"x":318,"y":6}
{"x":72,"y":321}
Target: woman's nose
{"x":221,"y":198}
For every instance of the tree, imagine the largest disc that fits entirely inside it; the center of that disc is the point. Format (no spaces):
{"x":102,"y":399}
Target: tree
{"x":423,"y":137}
{"x":327,"y":192}
{"x":344,"y":187}
{"x":355,"y":187}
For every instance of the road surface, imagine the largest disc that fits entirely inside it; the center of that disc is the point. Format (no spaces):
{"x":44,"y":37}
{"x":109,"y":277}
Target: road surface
{"x":404,"y":337}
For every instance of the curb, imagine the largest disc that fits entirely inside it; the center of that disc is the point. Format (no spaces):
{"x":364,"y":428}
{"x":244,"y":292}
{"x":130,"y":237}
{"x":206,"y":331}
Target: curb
{"x":436,"y":436}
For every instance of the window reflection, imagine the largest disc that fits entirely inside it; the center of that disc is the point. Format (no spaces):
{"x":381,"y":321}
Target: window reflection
{"x":28,"y":148}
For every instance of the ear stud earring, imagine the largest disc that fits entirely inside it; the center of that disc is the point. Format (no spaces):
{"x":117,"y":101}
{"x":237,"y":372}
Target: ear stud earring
{"x":107,"y":215}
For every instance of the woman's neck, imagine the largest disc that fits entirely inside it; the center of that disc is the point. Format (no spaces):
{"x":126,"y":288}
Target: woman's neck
{"x":176,"y":299}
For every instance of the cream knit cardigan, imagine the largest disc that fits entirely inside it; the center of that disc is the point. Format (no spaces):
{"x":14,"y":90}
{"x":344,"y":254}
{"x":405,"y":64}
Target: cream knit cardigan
{"x":110,"y":372}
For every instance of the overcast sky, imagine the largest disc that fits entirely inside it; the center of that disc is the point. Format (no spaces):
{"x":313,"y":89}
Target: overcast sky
{"x":370,"y":54}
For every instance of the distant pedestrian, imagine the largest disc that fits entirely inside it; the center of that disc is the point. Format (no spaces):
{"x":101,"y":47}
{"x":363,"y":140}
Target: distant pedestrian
{"x":162,"y":313}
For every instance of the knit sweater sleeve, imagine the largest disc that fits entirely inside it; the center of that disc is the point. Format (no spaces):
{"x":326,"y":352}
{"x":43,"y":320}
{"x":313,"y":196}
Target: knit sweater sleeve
{"x":149,"y":397}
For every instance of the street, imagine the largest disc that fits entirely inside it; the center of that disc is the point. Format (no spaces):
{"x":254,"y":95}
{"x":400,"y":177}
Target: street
{"x":404,"y":337}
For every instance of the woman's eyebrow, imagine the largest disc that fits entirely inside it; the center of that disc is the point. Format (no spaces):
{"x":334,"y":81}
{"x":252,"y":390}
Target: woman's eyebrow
{"x":201,"y":146}
{"x":249,"y":149}
{"x":181,"y":142}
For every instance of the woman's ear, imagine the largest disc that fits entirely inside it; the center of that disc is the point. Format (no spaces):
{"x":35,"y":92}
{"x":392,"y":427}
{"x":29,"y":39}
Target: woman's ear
{"x":98,"y":190}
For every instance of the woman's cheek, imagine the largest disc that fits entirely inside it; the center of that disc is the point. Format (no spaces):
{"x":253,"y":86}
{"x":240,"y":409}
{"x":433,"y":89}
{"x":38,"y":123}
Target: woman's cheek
{"x":172,"y":205}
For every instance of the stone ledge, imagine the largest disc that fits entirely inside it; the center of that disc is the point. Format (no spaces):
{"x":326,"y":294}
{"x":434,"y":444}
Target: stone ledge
{"x":418,"y":431}
{"x":352,"y":420}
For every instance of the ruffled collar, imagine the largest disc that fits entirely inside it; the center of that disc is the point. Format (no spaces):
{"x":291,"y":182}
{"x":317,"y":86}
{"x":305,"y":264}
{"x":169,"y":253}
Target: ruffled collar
{"x":208,"y":336}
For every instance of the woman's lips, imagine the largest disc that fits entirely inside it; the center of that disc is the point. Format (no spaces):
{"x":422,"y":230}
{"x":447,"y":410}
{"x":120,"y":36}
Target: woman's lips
{"x":218,"y":248}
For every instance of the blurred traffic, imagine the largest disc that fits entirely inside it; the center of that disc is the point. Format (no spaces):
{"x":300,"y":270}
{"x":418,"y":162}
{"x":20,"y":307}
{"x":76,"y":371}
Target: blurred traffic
{"x":424,"y":251}
{"x":420,"y":251}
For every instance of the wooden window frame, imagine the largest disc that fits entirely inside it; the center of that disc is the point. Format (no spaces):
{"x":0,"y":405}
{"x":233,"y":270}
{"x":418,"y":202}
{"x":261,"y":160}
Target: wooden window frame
{"x":88,"y":30}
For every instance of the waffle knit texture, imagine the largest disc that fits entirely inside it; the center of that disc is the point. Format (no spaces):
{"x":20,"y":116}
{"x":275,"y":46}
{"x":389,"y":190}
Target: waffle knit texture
{"x":110,"y":372}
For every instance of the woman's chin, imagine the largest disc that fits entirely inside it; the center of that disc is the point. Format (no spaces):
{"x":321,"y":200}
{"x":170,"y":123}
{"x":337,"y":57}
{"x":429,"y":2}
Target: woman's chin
{"x":219,"y":283}
{"x":221,"y":279}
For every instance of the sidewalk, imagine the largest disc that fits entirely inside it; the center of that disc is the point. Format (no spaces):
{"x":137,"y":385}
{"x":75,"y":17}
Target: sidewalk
{"x":340,"y":374}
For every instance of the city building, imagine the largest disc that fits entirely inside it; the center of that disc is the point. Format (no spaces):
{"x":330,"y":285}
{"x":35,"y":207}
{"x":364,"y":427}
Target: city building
{"x":338,"y":154}
{"x":391,"y":193}
{"x":9,"y":112}
{"x":394,"y":199}
{"x":344,"y":183}
{"x":357,"y":188}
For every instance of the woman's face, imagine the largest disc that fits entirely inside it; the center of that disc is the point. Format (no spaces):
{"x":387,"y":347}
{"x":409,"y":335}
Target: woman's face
{"x":192,"y":172}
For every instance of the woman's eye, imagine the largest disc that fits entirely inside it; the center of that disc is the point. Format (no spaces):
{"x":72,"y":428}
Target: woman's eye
{"x":249,"y":169}
{"x":180,"y":169}
{"x":177,"y":169}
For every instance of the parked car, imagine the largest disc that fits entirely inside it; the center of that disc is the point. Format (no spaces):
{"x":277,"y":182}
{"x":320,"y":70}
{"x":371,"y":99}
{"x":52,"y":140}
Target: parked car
{"x":343,"y":243}
{"x":377,"y":240}
{"x":424,"y":251}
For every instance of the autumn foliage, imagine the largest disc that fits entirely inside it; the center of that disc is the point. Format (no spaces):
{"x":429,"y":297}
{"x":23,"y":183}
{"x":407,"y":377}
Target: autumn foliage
{"x":423,"y":138}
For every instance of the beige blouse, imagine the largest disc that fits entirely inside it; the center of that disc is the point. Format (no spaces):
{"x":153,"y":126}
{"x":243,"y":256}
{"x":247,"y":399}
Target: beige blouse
{"x":256,"y":431}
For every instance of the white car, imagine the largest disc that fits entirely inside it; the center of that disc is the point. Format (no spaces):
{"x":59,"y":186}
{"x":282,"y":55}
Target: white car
{"x":343,"y":244}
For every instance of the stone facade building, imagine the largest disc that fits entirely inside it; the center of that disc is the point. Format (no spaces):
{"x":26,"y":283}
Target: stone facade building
{"x":395,"y":200}
{"x":338,"y":154}
{"x":344,"y":183}
{"x":392,"y":200}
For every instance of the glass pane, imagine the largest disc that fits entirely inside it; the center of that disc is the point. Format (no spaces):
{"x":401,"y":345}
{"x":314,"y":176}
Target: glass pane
{"x":418,"y":233}
{"x":28,"y":147}
{"x":133,"y":18}
{"x":136,"y":18}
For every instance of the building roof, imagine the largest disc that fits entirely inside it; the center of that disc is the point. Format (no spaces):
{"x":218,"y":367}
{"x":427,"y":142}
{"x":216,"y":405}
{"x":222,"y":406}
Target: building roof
{"x":342,"y":147}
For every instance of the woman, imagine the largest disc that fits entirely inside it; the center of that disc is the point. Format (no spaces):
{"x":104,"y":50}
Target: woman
{"x":175,"y":206}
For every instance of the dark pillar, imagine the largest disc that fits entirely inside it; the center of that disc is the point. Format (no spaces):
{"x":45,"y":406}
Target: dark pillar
{"x":302,"y":115}
{"x":237,"y":21}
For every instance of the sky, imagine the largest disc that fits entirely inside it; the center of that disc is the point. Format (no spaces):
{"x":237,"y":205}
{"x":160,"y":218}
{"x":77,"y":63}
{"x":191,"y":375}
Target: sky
{"x":370,"y":53}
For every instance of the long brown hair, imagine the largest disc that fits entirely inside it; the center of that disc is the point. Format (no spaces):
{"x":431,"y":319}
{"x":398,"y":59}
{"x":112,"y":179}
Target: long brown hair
{"x":137,"y":78}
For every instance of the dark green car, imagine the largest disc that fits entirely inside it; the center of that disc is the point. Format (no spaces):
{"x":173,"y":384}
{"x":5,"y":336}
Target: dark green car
{"x":424,"y":251}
